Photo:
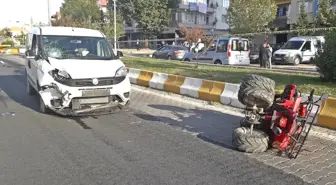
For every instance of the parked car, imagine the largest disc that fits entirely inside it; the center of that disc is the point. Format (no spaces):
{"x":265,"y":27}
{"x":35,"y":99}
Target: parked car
{"x":170,"y":52}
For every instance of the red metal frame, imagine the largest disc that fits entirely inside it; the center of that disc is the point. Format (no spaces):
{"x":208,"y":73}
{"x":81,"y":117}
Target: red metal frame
{"x":286,"y":120}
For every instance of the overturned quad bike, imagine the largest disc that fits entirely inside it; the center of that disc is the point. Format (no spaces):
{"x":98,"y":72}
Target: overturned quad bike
{"x":282,"y":121}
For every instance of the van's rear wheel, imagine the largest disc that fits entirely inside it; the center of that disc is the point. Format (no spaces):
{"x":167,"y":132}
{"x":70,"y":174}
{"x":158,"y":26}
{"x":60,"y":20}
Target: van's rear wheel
{"x":218,"y":62}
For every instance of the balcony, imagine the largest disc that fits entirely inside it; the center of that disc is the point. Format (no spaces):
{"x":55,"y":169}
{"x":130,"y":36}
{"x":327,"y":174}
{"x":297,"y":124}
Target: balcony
{"x":280,"y":22}
{"x":196,"y":7}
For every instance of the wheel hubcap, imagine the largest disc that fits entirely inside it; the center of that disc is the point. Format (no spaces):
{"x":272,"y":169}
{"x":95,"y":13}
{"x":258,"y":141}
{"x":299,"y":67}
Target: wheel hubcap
{"x":297,"y":61}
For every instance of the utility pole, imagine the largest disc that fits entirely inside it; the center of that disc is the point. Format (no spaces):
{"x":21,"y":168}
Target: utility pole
{"x":115,"y":26}
{"x":49,"y":16}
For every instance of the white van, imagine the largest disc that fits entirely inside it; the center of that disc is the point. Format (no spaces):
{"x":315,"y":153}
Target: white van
{"x":298,"y":50}
{"x":225,"y":51}
{"x":74,"y":71}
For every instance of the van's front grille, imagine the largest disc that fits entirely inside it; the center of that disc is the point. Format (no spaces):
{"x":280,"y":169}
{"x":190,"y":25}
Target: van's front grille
{"x":280,"y":55}
{"x":89,"y":81}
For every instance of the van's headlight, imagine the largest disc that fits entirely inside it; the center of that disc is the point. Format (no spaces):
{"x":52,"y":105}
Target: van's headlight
{"x":59,"y":74}
{"x":121,"y":72}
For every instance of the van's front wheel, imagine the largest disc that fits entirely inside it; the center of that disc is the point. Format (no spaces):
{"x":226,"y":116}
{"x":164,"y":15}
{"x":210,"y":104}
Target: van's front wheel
{"x":297,"y":60}
{"x":43,"y":108}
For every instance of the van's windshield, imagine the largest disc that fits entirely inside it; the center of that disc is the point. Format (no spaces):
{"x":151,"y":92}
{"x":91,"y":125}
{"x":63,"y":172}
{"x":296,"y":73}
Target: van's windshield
{"x":77,"y":47}
{"x":293,"y":44}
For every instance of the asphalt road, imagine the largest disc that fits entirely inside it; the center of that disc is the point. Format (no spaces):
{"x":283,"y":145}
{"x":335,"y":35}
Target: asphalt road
{"x":133,"y":147}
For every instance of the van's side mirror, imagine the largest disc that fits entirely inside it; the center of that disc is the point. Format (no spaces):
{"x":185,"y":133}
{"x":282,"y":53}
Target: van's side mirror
{"x":120,"y":54}
{"x":30,"y":54}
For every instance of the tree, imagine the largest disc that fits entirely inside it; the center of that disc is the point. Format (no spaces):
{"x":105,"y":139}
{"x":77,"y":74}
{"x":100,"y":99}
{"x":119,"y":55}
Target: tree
{"x":192,"y":34}
{"x":81,"y":10}
{"x":325,"y":15}
{"x":108,"y":26}
{"x":6,"y":32}
{"x":325,"y":60}
{"x":86,"y":14}
{"x":302,"y":21}
{"x":253,"y":16}
{"x":151,"y":15}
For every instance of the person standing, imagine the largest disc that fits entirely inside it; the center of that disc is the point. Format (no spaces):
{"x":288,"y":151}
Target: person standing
{"x":138,"y":45}
{"x":263,"y":56}
{"x":270,"y":52}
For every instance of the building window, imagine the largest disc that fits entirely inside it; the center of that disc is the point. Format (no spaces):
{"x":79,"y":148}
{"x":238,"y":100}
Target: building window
{"x":226,"y":3}
{"x":282,"y":11}
{"x":308,"y":6}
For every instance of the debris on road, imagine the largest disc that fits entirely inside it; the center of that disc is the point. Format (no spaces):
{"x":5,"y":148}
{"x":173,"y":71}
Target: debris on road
{"x":7,"y":114}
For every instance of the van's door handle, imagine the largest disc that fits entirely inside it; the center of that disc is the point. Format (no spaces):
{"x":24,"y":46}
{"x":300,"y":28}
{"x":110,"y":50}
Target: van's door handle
{"x":29,"y":64}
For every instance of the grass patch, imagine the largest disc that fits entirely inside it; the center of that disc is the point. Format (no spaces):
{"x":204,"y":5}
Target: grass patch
{"x":305,"y":82}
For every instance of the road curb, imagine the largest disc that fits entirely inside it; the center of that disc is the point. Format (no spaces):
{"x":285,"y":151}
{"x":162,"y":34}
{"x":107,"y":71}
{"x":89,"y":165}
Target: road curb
{"x":221,"y":92}
{"x":316,"y":131}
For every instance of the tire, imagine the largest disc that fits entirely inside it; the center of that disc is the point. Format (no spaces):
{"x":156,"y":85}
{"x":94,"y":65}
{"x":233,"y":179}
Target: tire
{"x":30,"y":88}
{"x":244,"y":141}
{"x":218,"y":62}
{"x":169,"y":58}
{"x":244,"y":123}
{"x":297,"y":60}
{"x":256,"y":90}
{"x":187,"y":60}
{"x":43,"y":108}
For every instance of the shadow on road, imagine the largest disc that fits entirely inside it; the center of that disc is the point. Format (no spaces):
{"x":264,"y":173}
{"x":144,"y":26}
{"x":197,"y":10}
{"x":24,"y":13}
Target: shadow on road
{"x":211,"y":126}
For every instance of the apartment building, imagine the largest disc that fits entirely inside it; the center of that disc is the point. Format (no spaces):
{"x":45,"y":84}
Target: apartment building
{"x":287,"y":15}
{"x":206,"y":14}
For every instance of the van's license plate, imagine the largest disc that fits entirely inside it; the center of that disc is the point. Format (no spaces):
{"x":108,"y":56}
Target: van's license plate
{"x":95,"y":93}
{"x":94,"y":100}
{"x":239,"y":57}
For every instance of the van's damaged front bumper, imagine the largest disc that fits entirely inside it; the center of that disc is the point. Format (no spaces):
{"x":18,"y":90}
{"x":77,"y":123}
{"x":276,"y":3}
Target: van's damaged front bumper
{"x":81,"y":97}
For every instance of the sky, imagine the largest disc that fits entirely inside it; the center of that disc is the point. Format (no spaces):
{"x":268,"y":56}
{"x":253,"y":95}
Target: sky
{"x":22,"y":10}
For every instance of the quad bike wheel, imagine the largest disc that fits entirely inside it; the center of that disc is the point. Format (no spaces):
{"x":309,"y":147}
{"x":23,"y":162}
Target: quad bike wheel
{"x":256,"y":91}
{"x":244,"y":141}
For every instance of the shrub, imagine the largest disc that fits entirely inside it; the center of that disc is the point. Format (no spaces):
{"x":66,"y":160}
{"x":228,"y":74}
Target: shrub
{"x":8,"y":42}
{"x":325,"y":59}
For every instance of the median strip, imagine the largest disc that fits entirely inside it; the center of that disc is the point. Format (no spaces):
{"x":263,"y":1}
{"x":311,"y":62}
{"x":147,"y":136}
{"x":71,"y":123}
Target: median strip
{"x":305,"y":82}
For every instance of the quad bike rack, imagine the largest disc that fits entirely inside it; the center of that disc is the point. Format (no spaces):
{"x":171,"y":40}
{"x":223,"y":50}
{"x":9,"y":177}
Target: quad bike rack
{"x":299,"y":140}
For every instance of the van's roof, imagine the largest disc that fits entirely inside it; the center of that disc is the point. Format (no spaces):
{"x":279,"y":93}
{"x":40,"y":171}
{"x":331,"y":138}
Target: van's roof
{"x":232,"y":38}
{"x":306,"y":38}
{"x":66,"y":31}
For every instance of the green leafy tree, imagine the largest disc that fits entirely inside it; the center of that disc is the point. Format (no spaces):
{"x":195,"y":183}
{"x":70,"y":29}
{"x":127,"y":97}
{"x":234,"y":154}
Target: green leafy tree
{"x":250,"y":16}
{"x":6,"y":32}
{"x":108,"y":26}
{"x":81,"y":10}
{"x":151,"y":15}
{"x":325,"y":15}
{"x":302,"y":21}
{"x":325,"y":60}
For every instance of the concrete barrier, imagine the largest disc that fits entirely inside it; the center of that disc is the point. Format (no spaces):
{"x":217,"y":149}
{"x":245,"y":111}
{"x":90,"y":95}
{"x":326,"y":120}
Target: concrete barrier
{"x":327,"y":115}
{"x":12,"y":51}
{"x":214,"y":91}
